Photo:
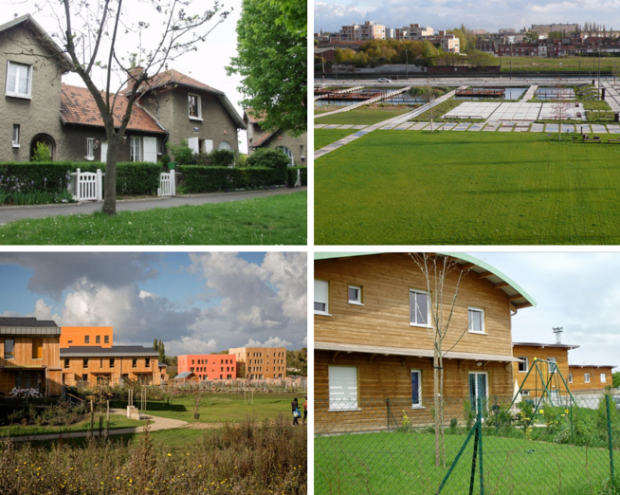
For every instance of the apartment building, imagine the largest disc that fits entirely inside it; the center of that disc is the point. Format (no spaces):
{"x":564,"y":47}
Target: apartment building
{"x":261,"y":362}
{"x":208,"y":366}
{"x":86,"y":336}
{"x":363,"y":32}
{"x":590,"y":377}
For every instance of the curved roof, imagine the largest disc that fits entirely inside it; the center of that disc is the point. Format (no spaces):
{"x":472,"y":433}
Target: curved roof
{"x":518,"y":297}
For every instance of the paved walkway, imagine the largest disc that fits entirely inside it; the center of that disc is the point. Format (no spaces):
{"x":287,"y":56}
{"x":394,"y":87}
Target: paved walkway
{"x":612,"y":96}
{"x":11,"y":213}
{"x":157,"y":423}
{"x":529,"y":94}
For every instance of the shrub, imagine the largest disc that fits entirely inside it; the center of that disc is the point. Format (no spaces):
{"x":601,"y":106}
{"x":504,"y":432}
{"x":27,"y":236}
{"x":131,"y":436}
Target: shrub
{"x":183,"y":154}
{"x":291,"y":175}
{"x":39,"y":176}
{"x":242,"y":160}
{"x":268,"y":157}
{"x":42,"y":153}
{"x":132,"y":178}
{"x":198,"y":179}
{"x":221,"y":158}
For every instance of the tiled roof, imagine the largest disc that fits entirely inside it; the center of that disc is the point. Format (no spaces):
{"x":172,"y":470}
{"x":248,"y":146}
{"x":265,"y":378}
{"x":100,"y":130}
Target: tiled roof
{"x":185,"y":374}
{"x":263,"y":139}
{"x":115,"y":350}
{"x":25,"y":321}
{"x":77,"y":106}
{"x":173,"y":77}
{"x":253,"y":117}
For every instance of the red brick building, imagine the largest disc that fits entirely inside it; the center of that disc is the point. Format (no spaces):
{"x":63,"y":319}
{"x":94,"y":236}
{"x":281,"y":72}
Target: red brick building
{"x":209,"y":366}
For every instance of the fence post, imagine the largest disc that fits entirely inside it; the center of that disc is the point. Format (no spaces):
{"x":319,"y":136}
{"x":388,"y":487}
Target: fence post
{"x":387,"y":403}
{"x":99,"y":186}
{"x":611,"y":442}
{"x":480,"y":445}
{"x":173,"y":183}
{"x":77,"y":184}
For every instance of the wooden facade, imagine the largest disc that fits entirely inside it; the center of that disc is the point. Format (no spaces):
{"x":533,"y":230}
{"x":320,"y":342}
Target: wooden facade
{"x":375,"y":336}
{"x":600,"y":377}
{"x":261,"y":362}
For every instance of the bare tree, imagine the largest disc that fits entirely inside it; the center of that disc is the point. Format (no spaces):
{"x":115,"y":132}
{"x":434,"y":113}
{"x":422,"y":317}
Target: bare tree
{"x":559,"y":109}
{"x":101,"y":36}
{"x":438,"y":270}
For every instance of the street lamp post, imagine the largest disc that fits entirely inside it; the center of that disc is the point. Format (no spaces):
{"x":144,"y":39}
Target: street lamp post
{"x":599,"y":73}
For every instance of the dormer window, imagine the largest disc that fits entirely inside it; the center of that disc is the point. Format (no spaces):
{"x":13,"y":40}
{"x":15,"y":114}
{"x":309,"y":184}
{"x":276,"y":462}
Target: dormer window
{"x":195,"y":108}
{"x":19,"y":80}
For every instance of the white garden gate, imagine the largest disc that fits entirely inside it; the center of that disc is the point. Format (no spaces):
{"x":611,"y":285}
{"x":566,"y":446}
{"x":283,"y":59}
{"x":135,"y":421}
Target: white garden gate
{"x":167,"y":184}
{"x":86,"y":186}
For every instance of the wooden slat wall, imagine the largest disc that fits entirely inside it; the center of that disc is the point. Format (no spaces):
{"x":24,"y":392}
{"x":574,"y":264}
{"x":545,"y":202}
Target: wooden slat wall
{"x":383,"y":320}
{"x":122,"y":366}
{"x":23,"y":353}
{"x":595,"y":378}
{"x":534,"y":381}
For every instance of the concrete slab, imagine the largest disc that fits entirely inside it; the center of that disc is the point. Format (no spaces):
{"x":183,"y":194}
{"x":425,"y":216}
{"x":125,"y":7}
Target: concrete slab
{"x":506,"y":129}
{"x":537,"y":128}
{"x":319,"y":126}
{"x":347,"y":126}
{"x":403,"y":127}
{"x":449,"y":126}
{"x":476,"y":127}
{"x":419,"y":126}
{"x":359,"y":126}
{"x":332,"y":126}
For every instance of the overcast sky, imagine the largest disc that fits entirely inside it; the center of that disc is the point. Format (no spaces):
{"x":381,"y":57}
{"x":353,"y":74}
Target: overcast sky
{"x":195,"y":303}
{"x":491,"y":15}
{"x":207,"y":64}
{"x":577,"y":291}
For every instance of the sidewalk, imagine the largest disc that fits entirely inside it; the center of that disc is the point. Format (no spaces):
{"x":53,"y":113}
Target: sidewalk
{"x":9,"y":214}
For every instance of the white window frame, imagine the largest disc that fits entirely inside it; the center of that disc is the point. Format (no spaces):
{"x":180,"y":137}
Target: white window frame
{"x":225,"y":145}
{"x":198,"y":105}
{"x":90,"y":149}
{"x":527,"y":364}
{"x":12,"y":91}
{"x":570,"y":378}
{"x":525,"y":393}
{"x":419,"y":405}
{"x":603,"y":378}
{"x":586,"y":378}
{"x":17,"y":130}
{"x":428,"y":309}
{"x":132,"y":147}
{"x":350,"y":401}
{"x":555,"y":363}
{"x":288,"y":153}
{"x":326,"y":302}
{"x":482,"y":331}
{"x":357,"y":301}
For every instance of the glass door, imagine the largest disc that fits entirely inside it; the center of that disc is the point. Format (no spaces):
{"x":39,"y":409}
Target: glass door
{"x":478,"y":389}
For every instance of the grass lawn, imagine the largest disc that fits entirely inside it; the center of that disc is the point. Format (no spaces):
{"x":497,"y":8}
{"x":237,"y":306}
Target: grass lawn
{"x":404,"y":187}
{"x":398,"y":462}
{"x":116,"y":421}
{"x":323,"y":137}
{"x":438,"y":111}
{"x":585,"y":64}
{"x":363,"y":115}
{"x":219,"y":408}
{"x":272,"y":220}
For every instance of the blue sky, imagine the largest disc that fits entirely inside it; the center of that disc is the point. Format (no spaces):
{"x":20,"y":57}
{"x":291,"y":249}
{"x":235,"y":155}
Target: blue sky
{"x":198,"y":302}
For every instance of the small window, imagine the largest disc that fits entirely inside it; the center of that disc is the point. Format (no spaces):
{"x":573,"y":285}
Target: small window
{"x":355,"y":294}
{"x":16,"y":132}
{"x":586,"y":377}
{"x":84,"y":378}
{"x":195,"y":110}
{"x":570,"y":378}
{"x":419,"y":308}
{"x":87,"y":339}
{"x":147,"y":362}
{"x":100,"y":363}
{"x":289,"y":154}
{"x":552,"y":364}
{"x":85,"y":364}
{"x":98,"y":339}
{"x":106,"y":339}
{"x":525,"y":393}
{"x":225,"y":146}
{"x":524,"y":366}
{"x":416,"y":388}
{"x":19,"y":80}
{"x":134,"y":363}
{"x":66,"y":364}
{"x":135,"y":149}
{"x":37,"y":348}
{"x":603,"y":378}
{"x":476,"y":320}
{"x":321,"y":297}
{"x":112,"y":363}
{"x":342,"y":388}
{"x":90,"y":149}
{"x":301,"y":152}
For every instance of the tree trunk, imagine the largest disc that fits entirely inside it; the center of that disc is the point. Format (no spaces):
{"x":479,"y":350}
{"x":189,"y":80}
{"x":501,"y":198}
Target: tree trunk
{"x":441,"y":405}
{"x":109,"y":202}
{"x":437,"y":415}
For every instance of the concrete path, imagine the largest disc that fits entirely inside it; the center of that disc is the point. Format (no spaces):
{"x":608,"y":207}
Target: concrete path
{"x":11,"y":213}
{"x":365,"y":102}
{"x":157,"y":423}
{"x":612,"y":96}
{"x":529,"y":94}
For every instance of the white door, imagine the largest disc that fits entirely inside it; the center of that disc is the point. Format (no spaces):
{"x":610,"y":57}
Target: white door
{"x":193,"y":144}
{"x":150,"y":149}
{"x":207,"y":145}
{"x":104,"y":151}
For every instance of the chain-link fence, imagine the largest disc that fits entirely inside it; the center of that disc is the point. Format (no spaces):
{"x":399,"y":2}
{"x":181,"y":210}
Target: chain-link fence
{"x":542,"y":446}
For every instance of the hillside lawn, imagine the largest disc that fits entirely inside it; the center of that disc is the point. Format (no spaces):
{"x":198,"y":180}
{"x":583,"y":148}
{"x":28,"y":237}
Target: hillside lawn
{"x":323,"y":137}
{"x":280,"y":219}
{"x":404,"y":187}
{"x":399,"y":462}
{"x":587,"y":64}
{"x":367,"y":116}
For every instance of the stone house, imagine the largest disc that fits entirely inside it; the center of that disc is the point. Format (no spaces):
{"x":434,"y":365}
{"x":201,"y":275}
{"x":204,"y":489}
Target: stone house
{"x":293,"y":147}
{"x":40,"y":109}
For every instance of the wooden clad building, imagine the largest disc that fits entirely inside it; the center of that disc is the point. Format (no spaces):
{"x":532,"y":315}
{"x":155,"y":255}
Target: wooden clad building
{"x":589,"y":377}
{"x":261,"y":362}
{"x":29,"y":356}
{"x":114,"y":365}
{"x":374,"y":334}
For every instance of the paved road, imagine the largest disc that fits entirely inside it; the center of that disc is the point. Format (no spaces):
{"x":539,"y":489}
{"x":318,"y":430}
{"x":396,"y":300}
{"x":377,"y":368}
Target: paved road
{"x":9,"y":214}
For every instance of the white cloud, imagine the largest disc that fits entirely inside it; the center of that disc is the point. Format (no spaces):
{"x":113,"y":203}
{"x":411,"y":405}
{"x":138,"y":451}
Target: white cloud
{"x":191,"y":345}
{"x":270,"y":342}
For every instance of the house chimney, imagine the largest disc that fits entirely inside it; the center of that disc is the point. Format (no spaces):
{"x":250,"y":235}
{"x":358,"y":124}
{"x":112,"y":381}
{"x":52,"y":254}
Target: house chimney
{"x":558,"y":334}
{"x":132,"y":75}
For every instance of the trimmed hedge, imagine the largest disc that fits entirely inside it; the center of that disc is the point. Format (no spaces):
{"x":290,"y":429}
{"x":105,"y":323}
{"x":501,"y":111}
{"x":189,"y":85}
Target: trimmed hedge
{"x":132,"y":178}
{"x":291,"y":175}
{"x":199,"y":179}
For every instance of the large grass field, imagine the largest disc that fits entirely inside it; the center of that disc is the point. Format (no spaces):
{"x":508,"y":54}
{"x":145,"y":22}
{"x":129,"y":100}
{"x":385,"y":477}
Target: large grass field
{"x":585,"y":64}
{"x":398,"y":462}
{"x":323,"y":137}
{"x":280,"y":219}
{"x":363,"y":115}
{"x":404,"y":187}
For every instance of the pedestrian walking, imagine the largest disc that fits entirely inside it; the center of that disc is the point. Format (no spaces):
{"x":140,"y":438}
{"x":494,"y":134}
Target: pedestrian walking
{"x":295,"y":408}
{"x":305,"y":410}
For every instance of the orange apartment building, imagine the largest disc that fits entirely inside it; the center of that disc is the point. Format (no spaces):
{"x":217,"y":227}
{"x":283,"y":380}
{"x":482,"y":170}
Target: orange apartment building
{"x":29,"y":356}
{"x":261,"y":362}
{"x":86,"y":336}
{"x":589,"y":377}
{"x":208,"y":366}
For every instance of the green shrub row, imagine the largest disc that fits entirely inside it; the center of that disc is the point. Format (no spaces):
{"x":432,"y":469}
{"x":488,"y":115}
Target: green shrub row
{"x":132,"y":178}
{"x":197,"y":179}
{"x":291,"y":175}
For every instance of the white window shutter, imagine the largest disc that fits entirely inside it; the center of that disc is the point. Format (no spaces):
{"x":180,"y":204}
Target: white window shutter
{"x":321,"y":292}
{"x":150,"y":149}
{"x":193,"y":144}
{"x":208,"y":145}
{"x":342,"y":388}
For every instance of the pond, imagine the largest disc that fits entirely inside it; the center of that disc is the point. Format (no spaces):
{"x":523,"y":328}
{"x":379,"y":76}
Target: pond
{"x":555,"y":94}
{"x":509,"y":94}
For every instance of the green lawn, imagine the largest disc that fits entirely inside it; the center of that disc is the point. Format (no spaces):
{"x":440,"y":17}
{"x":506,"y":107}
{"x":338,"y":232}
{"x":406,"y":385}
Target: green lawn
{"x":323,"y":137}
{"x":271,"y":220}
{"x":438,"y":111}
{"x":403,"y":187}
{"x":219,"y":408}
{"x":585,"y":64}
{"x":116,"y":421}
{"x":361,"y":116}
{"x":398,"y":462}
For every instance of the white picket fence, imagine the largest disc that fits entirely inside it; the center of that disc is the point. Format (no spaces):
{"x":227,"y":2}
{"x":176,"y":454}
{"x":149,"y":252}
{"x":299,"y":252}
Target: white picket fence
{"x":167,"y":184}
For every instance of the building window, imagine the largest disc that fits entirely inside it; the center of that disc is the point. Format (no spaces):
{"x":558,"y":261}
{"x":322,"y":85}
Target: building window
{"x":355,"y":294}
{"x":570,"y":378}
{"x":134,"y":363}
{"x":84,"y":378}
{"x":9,"y":348}
{"x":419,"y":308}
{"x":19,"y":80}
{"x":90,"y":149}
{"x":552,"y":364}
{"x":37,"y":348}
{"x":16,"y":131}
{"x":135,"y":149}
{"x":225,"y":146}
{"x":98,"y":339}
{"x":66,"y":363}
{"x":106,"y":339}
{"x":525,"y":393}
{"x":85,"y":364}
{"x":416,"y":388}
{"x":476,"y":320}
{"x":586,"y":377}
{"x":147,"y":362}
{"x":289,"y":154}
{"x":524,"y":366}
{"x":112,"y":363}
{"x":603,"y":378}
{"x":87,"y":339}
{"x":342,"y":388}
{"x":195,"y":110}
{"x":321,"y":297}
